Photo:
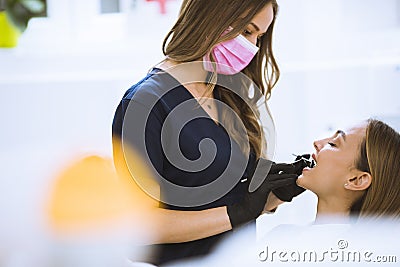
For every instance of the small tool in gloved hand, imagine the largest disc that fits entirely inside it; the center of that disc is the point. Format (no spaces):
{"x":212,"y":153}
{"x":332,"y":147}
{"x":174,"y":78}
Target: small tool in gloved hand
{"x":287,"y":193}
{"x":307,"y":158}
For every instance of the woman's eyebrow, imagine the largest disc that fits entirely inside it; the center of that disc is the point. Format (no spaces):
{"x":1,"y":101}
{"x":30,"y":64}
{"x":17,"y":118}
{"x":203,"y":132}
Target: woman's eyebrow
{"x":341,"y":133}
{"x":255,"y":26}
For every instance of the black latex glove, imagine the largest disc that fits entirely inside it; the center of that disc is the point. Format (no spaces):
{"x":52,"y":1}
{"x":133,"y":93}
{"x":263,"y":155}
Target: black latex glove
{"x":253,"y":203}
{"x":288,"y":192}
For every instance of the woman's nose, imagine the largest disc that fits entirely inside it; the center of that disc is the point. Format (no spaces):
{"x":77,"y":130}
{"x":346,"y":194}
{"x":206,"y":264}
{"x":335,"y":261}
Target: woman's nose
{"x":318,"y":145}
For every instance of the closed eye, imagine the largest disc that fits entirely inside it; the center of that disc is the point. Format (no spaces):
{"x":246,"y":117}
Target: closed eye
{"x":332,"y":144}
{"x":247,"y":32}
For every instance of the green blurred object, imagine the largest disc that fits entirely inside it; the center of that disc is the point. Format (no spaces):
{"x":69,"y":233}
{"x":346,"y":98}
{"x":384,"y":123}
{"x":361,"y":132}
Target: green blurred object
{"x":17,"y":13}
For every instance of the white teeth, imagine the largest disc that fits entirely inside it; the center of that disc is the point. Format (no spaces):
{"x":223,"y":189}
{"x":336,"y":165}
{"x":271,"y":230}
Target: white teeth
{"x":314,"y":163}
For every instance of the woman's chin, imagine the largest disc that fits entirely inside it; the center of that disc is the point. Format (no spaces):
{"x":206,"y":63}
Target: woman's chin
{"x":303,"y":177}
{"x":299,"y":180}
{"x":302,"y":181}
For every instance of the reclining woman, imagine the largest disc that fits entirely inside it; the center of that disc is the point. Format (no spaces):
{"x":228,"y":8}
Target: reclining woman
{"x":357,"y":172}
{"x":357,"y":183}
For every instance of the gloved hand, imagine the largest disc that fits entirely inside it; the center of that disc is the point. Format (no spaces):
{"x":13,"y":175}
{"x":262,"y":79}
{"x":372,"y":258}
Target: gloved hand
{"x":288,"y":192}
{"x":253,"y":203}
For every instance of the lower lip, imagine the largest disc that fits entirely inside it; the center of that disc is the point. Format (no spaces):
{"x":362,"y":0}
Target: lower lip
{"x":306,"y":169}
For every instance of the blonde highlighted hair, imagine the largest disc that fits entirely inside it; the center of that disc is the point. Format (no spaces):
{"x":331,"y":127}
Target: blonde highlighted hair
{"x":380,"y":156}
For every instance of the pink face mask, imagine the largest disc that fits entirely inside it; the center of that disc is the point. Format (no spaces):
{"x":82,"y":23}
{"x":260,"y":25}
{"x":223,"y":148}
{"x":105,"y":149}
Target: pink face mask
{"x":231,"y":56}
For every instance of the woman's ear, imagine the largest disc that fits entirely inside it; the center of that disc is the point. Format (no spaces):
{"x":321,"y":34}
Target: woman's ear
{"x":360,"y":182}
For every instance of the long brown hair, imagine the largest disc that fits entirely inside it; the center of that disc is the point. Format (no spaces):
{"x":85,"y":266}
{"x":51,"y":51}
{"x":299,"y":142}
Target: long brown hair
{"x":380,"y":156}
{"x":200,"y":27}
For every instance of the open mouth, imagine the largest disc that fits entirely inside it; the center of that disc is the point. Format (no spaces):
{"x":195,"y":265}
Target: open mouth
{"x":306,"y":161}
{"x":310,"y":161}
{"x":313,"y":161}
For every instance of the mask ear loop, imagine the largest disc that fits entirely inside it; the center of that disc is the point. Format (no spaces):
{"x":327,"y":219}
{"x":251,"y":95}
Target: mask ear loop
{"x":212,"y":76}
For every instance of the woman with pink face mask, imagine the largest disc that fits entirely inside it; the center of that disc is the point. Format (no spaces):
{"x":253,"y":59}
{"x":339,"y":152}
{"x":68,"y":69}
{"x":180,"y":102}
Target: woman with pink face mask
{"x":194,"y":119}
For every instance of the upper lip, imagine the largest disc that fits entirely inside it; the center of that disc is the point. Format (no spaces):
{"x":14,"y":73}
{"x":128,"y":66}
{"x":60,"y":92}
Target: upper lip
{"x":314,"y":157}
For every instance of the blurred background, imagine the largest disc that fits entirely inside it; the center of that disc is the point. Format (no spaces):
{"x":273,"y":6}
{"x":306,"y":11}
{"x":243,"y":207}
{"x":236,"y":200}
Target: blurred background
{"x":339,"y":60}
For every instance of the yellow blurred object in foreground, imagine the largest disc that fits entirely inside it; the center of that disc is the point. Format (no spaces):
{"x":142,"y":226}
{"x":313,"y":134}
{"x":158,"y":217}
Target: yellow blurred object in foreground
{"x":9,"y":34}
{"x":89,"y":196}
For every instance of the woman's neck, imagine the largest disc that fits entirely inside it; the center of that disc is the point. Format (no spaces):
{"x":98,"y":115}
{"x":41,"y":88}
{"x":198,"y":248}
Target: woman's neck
{"x":332,"y":210}
{"x":187,"y":72}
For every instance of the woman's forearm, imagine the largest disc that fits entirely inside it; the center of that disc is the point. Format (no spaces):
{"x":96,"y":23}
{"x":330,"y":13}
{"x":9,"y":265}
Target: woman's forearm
{"x":174,"y":226}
